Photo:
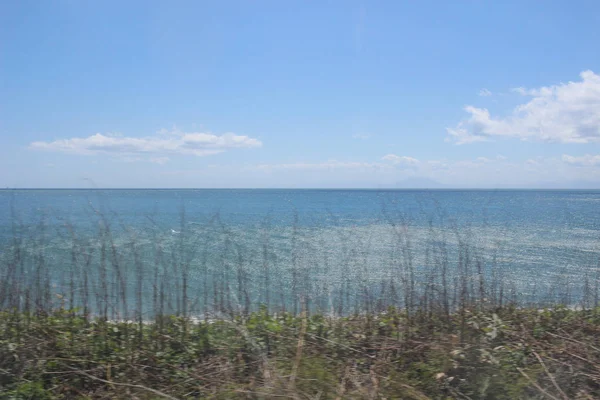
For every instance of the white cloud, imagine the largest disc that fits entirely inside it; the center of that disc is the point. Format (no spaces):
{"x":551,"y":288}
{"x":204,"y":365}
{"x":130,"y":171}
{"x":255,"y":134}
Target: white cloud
{"x":485,"y":93}
{"x":400,"y":160}
{"x":587,"y":160}
{"x":198,"y":144}
{"x":566,"y":113}
{"x":362,"y":136}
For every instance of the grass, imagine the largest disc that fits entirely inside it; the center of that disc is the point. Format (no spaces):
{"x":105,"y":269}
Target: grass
{"x":509,"y":353}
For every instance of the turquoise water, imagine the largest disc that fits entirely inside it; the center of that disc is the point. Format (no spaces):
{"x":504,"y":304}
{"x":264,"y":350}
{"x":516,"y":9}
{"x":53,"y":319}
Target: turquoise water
{"x":287,"y":244}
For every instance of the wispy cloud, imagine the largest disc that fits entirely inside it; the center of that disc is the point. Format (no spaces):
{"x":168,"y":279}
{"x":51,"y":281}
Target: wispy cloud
{"x":437,"y":165}
{"x":485,"y":93}
{"x":392,"y":163}
{"x":128,"y":158}
{"x":159,"y":160}
{"x":400,"y":160}
{"x":587,"y":160}
{"x":171,"y":143}
{"x":566,"y":113}
{"x":362,"y":136}
{"x":520,"y":90}
{"x":327,"y":165}
{"x":482,"y":171}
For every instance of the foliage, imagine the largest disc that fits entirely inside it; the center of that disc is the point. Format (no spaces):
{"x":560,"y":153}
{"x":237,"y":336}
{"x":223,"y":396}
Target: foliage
{"x":506,"y":353}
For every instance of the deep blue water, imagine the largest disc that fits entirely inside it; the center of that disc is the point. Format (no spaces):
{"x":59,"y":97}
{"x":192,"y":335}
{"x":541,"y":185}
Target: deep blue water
{"x":331,"y":234}
{"x":551,"y":208}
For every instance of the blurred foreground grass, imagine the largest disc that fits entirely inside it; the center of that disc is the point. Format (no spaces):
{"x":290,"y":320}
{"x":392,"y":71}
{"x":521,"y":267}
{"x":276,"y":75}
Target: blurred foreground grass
{"x":507,"y":353}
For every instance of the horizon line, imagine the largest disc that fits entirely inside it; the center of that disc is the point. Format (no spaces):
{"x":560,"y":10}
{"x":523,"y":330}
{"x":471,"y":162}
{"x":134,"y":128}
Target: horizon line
{"x":298,"y":188}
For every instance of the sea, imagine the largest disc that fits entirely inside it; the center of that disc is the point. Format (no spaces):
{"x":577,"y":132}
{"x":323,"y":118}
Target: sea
{"x":336,"y":248}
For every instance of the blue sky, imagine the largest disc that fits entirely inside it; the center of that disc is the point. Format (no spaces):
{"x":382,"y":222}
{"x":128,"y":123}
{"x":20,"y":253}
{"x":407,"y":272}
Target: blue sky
{"x":299,"y":94}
